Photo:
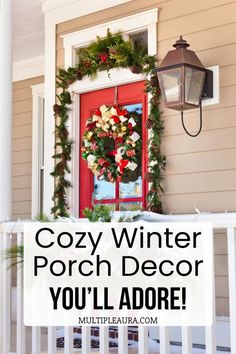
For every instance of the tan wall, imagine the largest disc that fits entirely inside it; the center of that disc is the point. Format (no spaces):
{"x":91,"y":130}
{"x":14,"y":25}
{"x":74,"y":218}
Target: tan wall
{"x":22,"y":147}
{"x":200,"y":172}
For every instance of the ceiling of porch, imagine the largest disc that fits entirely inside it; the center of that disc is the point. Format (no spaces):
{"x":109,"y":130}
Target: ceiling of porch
{"x":28,"y":29}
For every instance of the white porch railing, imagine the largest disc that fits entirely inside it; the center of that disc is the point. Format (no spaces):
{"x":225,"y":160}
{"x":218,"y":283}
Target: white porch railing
{"x":21,"y":335}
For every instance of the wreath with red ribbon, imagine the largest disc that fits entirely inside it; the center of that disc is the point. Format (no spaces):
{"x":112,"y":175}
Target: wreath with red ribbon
{"x":111,"y":143}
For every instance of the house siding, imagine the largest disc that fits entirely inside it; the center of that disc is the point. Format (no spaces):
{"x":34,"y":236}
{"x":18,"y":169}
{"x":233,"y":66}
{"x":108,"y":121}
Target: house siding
{"x":22,"y":147}
{"x":200,"y":172}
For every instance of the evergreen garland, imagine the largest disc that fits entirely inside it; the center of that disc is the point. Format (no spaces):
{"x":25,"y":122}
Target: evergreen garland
{"x":104,"y":54}
{"x":156,"y":160}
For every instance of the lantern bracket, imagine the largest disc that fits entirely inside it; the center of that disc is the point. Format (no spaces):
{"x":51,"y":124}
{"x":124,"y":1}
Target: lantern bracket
{"x":207,"y":91}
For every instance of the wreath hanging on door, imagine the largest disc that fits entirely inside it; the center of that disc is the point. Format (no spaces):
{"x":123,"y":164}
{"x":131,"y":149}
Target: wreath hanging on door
{"x":111,"y":143}
{"x":113,"y":51}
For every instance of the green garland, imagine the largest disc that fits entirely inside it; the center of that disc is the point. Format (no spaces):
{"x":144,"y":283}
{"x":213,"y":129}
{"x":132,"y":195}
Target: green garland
{"x":104,"y":54}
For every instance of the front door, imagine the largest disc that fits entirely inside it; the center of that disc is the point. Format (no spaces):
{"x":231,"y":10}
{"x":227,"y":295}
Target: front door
{"x":131,"y":193}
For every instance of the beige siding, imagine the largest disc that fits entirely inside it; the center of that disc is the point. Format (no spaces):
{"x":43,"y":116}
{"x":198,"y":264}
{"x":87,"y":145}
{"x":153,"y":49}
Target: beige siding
{"x":22,"y":147}
{"x":200,"y":172}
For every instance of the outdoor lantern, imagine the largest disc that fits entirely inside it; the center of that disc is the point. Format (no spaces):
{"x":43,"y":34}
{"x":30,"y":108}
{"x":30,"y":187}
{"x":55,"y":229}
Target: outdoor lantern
{"x":184,"y":81}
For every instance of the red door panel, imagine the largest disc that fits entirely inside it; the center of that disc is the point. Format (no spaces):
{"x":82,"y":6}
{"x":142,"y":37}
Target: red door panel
{"x":126,"y":94}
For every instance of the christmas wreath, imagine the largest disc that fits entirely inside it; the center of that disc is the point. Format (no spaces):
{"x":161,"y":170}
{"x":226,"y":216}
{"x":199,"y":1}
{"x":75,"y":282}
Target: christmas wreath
{"x":111,"y":143}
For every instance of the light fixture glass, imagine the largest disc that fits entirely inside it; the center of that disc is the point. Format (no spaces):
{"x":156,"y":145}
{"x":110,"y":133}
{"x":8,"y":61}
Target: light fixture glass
{"x":193,"y":85}
{"x":171,"y":82}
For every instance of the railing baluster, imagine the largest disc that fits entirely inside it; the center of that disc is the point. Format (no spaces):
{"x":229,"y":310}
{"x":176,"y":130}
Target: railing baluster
{"x":20,"y":328}
{"x":86,"y":339}
{"x":186,"y":340}
{"x":104,"y":339}
{"x":36,"y":340}
{"x":52,"y":340}
{"x":210,"y":331}
{"x":164,"y":340}
{"x":6,"y":297}
{"x":123,"y":340}
{"x":231,"y":239}
{"x":210,"y":334}
{"x":68,"y":340}
{"x":143,"y":339}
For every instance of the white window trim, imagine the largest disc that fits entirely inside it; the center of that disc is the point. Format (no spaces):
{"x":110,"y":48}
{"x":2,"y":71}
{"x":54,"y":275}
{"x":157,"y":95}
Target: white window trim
{"x":38,"y":95}
{"x":142,"y":21}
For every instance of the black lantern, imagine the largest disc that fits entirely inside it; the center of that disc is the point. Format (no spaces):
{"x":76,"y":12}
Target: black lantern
{"x":184,"y":81}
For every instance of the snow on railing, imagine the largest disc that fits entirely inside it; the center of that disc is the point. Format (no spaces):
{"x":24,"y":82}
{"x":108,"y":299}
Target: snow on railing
{"x":226,"y":221}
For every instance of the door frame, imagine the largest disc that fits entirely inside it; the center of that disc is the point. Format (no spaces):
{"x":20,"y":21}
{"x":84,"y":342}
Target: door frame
{"x":102,"y":82}
{"x":146,"y":20}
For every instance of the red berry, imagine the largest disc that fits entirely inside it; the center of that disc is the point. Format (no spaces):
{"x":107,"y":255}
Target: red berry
{"x":97,"y":112}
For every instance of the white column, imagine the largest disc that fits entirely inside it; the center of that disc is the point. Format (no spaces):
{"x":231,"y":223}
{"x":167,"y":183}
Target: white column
{"x":5,"y":107}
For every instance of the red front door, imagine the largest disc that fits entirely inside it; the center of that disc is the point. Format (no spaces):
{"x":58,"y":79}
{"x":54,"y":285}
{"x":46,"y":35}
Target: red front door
{"x":130,"y":195}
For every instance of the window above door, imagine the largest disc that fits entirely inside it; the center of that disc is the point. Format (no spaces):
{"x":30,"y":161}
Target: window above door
{"x":142,"y":24}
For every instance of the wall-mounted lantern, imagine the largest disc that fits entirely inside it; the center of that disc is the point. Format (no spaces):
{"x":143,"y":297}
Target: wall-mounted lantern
{"x":184,"y":81}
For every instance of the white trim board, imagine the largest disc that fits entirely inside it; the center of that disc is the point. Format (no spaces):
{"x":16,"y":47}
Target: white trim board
{"x":117,"y":77}
{"x":60,"y":11}
{"x":49,"y":123}
{"x":29,"y":68}
{"x":38,"y":95}
{"x":216,"y":87}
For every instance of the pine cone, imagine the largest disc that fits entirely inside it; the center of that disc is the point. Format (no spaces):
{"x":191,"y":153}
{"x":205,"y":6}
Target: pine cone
{"x":156,"y":209}
{"x":154,"y":81}
{"x":87,"y":63}
{"x":164,"y":161}
{"x":155,"y":149}
{"x":148,"y":176}
{"x":69,"y":82}
{"x":136,"y":69}
{"x":79,"y":75}
{"x":113,"y":51}
{"x":150,"y":123}
{"x":56,"y":109}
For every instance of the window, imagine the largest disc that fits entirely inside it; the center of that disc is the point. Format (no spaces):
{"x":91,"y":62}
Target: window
{"x":140,"y":41}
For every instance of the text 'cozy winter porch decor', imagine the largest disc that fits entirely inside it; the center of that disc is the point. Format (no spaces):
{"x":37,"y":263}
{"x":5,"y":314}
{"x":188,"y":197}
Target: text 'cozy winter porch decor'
{"x":104,"y":54}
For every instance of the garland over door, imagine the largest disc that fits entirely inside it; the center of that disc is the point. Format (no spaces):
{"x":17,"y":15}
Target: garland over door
{"x":130,"y":195}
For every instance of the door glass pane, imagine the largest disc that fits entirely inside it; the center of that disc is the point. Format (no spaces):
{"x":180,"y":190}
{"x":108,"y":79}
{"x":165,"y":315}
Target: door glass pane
{"x":132,"y":186}
{"x":131,"y":189}
{"x":103,"y":189}
{"x":112,"y":207}
{"x":130,"y":206}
